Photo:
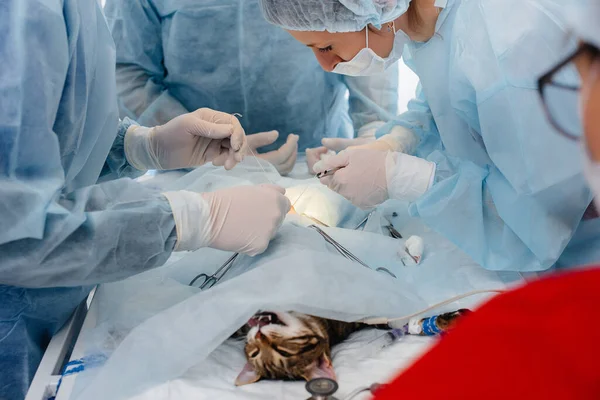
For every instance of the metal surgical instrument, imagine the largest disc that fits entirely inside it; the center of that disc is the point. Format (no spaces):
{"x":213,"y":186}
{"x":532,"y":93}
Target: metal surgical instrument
{"x":387,"y":271}
{"x":393,"y":232}
{"x":212,"y":280}
{"x":345,"y":252}
{"x":364,"y":221}
{"x":315,"y":220}
{"x":328,"y":172}
{"x":341,"y":249}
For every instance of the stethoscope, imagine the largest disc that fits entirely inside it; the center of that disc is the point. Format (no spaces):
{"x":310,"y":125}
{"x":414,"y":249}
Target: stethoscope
{"x":325,"y":388}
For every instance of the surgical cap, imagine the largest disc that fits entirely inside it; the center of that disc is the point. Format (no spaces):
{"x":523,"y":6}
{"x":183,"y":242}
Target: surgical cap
{"x":332,"y":15}
{"x":584,"y":17}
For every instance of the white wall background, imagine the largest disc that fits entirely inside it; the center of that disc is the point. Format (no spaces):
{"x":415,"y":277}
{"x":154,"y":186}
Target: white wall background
{"x":407,"y":87}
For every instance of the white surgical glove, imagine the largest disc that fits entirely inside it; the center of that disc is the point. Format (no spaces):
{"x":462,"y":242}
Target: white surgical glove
{"x":187,"y":141}
{"x":284,"y":158}
{"x":339,"y":144}
{"x":241,"y":219}
{"x":399,"y":139}
{"x":315,"y":155}
{"x":365,"y":135}
{"x":370,"y":177}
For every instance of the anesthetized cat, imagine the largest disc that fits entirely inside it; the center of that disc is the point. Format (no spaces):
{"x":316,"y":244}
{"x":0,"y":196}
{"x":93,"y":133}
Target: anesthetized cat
{"x":291,"y":346}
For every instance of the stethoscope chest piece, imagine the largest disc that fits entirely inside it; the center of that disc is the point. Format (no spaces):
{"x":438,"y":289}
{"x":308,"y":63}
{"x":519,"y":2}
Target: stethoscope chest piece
{"x":322,"y":389}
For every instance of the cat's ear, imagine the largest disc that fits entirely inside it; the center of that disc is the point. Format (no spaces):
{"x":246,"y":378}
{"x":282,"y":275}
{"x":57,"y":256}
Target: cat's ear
{"x":323,"y":368}
{"x":247,"y":376}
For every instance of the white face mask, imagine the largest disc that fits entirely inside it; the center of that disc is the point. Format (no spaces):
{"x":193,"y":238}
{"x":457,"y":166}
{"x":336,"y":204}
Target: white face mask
{"x":367,"y":62}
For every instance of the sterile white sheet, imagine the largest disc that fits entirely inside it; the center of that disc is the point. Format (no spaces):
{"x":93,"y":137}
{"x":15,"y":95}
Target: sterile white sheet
{"x":213,"y":378}
{"x":165,"y":340}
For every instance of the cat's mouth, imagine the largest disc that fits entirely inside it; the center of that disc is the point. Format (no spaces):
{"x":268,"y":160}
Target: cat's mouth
{"x":265,"y":318}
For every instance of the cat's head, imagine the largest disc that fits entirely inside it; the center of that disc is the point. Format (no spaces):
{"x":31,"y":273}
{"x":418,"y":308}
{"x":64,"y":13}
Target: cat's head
{"x":286,"y":346}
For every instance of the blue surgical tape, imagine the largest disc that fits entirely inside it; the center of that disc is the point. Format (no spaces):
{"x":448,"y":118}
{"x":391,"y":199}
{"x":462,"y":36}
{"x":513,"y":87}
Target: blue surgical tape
{"x":429,"y":326}
{"x":77,"y":366}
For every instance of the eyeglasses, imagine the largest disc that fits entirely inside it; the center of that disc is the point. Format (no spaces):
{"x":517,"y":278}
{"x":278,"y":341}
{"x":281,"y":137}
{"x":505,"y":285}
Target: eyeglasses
{"x":560,"y":91}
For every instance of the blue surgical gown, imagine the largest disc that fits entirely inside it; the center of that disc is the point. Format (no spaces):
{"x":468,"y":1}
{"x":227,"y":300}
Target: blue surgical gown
{"x":174,"y":56}
{"x":509,"y":189}
{"x":59,"y":133}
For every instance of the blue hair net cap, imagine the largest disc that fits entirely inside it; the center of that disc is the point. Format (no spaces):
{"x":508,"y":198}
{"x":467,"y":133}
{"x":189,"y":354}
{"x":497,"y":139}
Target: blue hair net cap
{"x":332,"y":15}
{"x":583,"y":18}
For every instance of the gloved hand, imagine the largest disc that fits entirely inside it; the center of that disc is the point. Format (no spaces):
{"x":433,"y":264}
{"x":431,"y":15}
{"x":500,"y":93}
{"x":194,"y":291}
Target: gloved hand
{"x":284,"y":158}
{"x":399,"y":139}
{"x":315,"y":155}
{"x":365,"y":135}
{"x":339,"y":144}
{"x":187,"y":141}
{"x":370,"y":177}
{"x":242,"y":219}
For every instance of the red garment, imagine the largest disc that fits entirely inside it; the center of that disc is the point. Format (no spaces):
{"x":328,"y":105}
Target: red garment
{"x":541,"y":341}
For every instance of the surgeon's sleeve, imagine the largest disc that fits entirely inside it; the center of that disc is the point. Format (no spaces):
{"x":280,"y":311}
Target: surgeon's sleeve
{"x":143,"y":95}
{"x":373,"y":100}
{"x":419,"y":120}
{"x":520,"y":211}
{"x":51,"y":235}
{"x":116,"y":165}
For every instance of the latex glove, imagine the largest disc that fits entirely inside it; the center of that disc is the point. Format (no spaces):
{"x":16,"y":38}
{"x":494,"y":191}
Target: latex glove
{"x":339,"y":144}
{"x":315,"y":155}
{"x":187,"y":141}
{"x":370,"y":177}
{"x":284,"y":158}
{"x":365,"y":135}
{"x":399,"y":139}
{"x":241,"y":219}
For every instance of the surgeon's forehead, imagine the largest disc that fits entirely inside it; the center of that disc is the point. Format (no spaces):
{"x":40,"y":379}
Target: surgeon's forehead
{"x":315,"y":39}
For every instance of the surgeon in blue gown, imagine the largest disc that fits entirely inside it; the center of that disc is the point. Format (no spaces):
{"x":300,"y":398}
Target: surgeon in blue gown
{"x":66,"y":222}
{"x":174,"y":56}
{"x":484,"y":170}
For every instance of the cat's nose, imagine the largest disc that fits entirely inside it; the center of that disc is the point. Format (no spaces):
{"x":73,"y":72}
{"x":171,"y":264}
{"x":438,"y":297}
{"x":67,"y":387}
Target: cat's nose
{"x":261,"y":337}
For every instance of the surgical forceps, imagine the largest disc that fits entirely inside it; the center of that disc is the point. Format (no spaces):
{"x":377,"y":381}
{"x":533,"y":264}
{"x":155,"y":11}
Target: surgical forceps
{"x":346,"y":253}
{"x":393,"y":232}
{"x":341,"y":249}
{"x":315,"y":220}
{"x":212,"y":280}
{"x":364,"y":221}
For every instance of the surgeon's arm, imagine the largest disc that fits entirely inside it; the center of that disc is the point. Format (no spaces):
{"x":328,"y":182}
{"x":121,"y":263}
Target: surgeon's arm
{"x":412,"y":132}
{"x":373,"y":100}
{"x":93,"y":235}
{"x":143,"y":95}
{"x":51,"y":235}
{"x":520,"y":212}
